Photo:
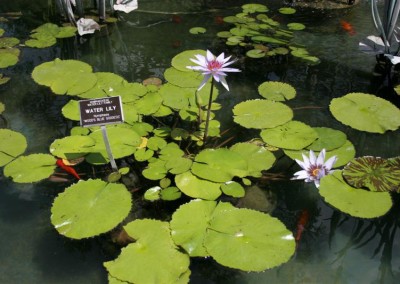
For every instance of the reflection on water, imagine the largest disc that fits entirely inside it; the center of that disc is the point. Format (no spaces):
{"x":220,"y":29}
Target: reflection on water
{"x":334,"y":248}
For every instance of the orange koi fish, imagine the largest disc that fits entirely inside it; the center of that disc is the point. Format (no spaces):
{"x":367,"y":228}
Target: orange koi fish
{"x":219,"y":20}
{"x":301,"y":224}
{"x":347,"y":27}
{"x":68,"y":169}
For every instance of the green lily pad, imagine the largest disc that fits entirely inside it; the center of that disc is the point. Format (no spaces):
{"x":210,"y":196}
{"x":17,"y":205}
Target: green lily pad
{"x":258,"y":157}
{"x":254,"y":8}
{"x":194,"y":187}
{"x":143,"y":155}
{"x":31,"y":168}
{"x":2,"y":107}
{"x":296,"y":26}
{"x":153,"y":258}
{"x":72,"y":147}
{"x":156,"y":143}
{"x":70,"y":77}
{"x":148,"y":104}
{"x":3,"y":79}
{"x":181,"y":60}
{"x":268,"y":39}
{"x":155,"y":170}
{"x":8,"y":57}
{"x":261,"y":114}
{"x":183,"y":79}
{"x":12,"y":144}
{"x":328,"y":139}
{"x":293,"y":135}
{"x":287,"y":10}
{"x":374,"y":173}
{"x":189,"y":225}
{"x":123,"y":142}
{"x":106,"y":83}
{"x":247,"y":239}
{"x":353,"y":201}
{"x":197,"y":30}
{"x":129,"y":92}
{"x":170,"y":193}
{"x":176,"y":97}
{"x":255,"y":53}
{"x":71,"y":110}
{"x":41,"y":41}
{"x":366,"y":112}
{"x":8,"y":42}
{"x":89,"y":208}
{"x":233,"y":188}
{"x":344,"y":154}
{"x":219,"y":165}
{"x":276,"y":91}
{"x":152,"y":193}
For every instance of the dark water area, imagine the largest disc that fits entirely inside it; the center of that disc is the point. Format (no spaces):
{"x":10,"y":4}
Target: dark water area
{"x":335,"y":248}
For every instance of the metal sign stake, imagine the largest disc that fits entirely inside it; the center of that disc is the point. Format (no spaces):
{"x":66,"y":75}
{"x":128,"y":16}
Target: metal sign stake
{"x":108,"y":149}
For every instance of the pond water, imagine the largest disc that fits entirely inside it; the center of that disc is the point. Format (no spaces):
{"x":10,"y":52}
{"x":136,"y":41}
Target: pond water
{"x":334,"y":248}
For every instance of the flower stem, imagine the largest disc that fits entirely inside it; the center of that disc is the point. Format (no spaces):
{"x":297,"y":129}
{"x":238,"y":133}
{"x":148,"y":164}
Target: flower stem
{"x":208,"y":111}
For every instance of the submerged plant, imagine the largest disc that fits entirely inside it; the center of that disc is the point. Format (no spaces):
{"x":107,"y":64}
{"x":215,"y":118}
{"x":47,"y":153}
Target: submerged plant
{"x":314,"y":168}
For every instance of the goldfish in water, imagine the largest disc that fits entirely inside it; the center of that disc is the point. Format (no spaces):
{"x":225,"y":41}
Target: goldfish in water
{"x":347,"y":27}
{"x":68,"y":169}
{"x":301,"y":225}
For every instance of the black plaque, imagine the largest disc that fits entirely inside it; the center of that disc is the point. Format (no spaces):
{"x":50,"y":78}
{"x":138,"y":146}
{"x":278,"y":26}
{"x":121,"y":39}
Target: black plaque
{"x":101,"y":111}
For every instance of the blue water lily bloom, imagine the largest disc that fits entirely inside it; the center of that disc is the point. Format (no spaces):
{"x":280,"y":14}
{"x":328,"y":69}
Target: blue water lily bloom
{"x":210,"y":65}
{"x":314,"y":168}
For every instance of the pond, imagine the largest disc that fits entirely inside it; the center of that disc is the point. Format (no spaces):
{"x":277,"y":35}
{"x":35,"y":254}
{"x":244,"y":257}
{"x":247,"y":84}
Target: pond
{"x":334,"y":247}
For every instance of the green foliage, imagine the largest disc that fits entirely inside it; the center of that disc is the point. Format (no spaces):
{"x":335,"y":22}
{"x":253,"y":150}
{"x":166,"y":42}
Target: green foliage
{"x":12,"y":144}
{"x":276,"y":91}
{"x":3,"y":79}
{"x":89,"y":208}
{"x":197,"y":30}
{"x":72,"y":147}
{"x":353,"y":201}
{"x":31,"y":168}
{"x":153,"y":258}
{"x":46,"y":35}
{"x":328,"y":139}
{"x":366,"y":112}
{"x":195,"y":187}
{"x":374,"y":173}
{"x":8,"y":57}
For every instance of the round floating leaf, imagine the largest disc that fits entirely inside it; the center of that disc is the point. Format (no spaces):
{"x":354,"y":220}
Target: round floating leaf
{"x":8,"y":42}
{"x":152,"y":193}
{"x":3,"y":79}
{"x":224,"y":34}
{"x":8,"y":57}
{"x":293,"y":135}
{"x":354,"y":201}
{"x":219,"y":165}
{"x":287,"y":10}
{"x":123,"y":142}
{"x":328,"y":139}
{"x":89,"y":208}
{"x":344,"y":154}
{"x":178,"y":165}
{"x":12,"y":144}
{"x":248,"y":240}
{"x":176,"y":97}
{"x":181,"y":60}
{"x":65,"y":32}
{"x":276,"y":91}
{"x":153,"y":258}
{"x":2,"y":107}
{"x":258,"y":157}
{"x":268,"y":39}
{"x":233,"y":188}
{"x":170,"y":193}
{"x":72,"y":147}
{"x":148,"y":104}
{"x":296,"y":26}
{"x":71,"y":110}
{"x":41,"y":41}
{"x":183,"y":79}
{"x":143,"y":155}
{"x":189,"y":224}
{"x":261,"y":114}
{"x":106,"y":83}
{"x":31,"y":168}
{"x":374,"y":173}
{"x":254,"y":8}
{"x":194,"y":187}
{"x":65,"y":76}
{"x":255,"y":53}
{"x":197,"y":30}
{"x":366,"y":112}
{"x":155,"y":143}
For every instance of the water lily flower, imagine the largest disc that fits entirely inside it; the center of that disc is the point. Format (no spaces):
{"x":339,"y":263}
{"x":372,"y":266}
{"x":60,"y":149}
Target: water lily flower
{"x":86,"y":26}
{"x":314,"y":168}
{"x":126,"y":5}
{"x":213,"y":66}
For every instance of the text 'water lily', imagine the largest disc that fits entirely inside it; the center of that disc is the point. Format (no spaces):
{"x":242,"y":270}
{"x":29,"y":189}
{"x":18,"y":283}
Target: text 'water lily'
{"x":314,"y":168}
{"x":210,"y":65}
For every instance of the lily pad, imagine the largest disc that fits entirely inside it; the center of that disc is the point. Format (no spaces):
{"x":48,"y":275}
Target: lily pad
{"x":353,"y":201}
{"x":374,"y":173}
{"x":219,"y":165}
{"x":152,"y":257}
{"x":31,"y":168}
{"x":328,"y":139}
{"x":3,"y":79}
{"x":268,"y":39}
{"x":255,"y":53}
{"x":366,"y":112}
{"x":261,"y":114}
{"x":293,"y":135}
{"x":197,"y":30}
{"x":276,"y":91}
{"x":106,"y":83}
{"x":2,"y":107}
{"x":12,"y":144}
{"x":8,"y":57}
{"x":296,"y":26}
{"x":247,"y":239}
{"x":195,"y":187}
{"x":233,"y":188}
{"x":183,"y":79}
{"x":89,"y":208}
{"x":287,"y":10}
{"x":181,"y":60}
{"x":72,"y":147}
{"x":189,"y":225}
{"x":71,"y":110}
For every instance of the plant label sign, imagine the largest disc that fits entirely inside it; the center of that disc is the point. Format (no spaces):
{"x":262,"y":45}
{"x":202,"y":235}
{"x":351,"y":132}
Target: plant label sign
{"x":101,"y":111}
